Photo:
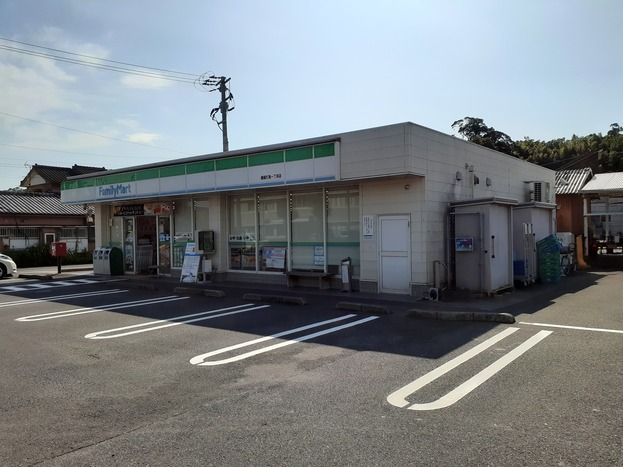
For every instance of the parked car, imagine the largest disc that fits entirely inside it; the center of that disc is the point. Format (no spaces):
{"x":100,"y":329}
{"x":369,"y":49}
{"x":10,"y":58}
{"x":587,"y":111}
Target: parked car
{"x":7,"y":266}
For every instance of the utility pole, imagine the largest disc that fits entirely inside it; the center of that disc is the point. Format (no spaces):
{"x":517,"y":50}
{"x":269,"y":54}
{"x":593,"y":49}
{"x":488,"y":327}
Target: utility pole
{"x":224,"y":106}
{"x":220,"y":83}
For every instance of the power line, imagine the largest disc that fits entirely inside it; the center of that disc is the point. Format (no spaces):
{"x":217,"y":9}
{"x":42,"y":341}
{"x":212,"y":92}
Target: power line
{"x":98,"y":58}
{"x":90,"y":133}
{"x":117,"y":69}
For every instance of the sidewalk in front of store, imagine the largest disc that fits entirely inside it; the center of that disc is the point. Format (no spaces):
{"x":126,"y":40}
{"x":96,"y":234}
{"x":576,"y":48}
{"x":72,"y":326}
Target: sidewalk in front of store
{"x":51,"y":272}
{"x":516,"y":301}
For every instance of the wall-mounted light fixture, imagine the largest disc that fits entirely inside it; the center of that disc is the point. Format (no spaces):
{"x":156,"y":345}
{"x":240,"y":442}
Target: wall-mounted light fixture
{"x":488,"y":181}
{"x":476,"y":180}
{"x":458,"y":176}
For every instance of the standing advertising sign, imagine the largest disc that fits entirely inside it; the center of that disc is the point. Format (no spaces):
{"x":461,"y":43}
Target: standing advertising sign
{"x":190,"y":267}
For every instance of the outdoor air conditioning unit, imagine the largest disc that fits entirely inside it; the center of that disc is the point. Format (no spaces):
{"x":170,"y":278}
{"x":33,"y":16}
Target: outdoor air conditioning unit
{"x":538,"y":192}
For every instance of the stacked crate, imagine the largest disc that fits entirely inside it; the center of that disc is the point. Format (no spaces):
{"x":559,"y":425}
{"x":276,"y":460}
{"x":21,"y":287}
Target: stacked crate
{"x":548,"y":258}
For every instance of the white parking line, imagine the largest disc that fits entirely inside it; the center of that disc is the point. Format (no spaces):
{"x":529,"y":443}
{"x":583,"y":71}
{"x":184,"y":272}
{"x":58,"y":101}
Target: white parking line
{"x":29,"y":301}
{"x":579,"y":328}
{"x":176,"y":321}
{"x":33,"y":286}
{"x":201,"y":359}
{"x":398,"y":398}
{"x":108,"y":307}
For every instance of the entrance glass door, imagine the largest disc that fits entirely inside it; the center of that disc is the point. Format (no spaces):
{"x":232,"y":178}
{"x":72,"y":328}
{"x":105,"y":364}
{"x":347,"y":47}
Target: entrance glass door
{"x":128,"y":244}
{"x":164,"y":244}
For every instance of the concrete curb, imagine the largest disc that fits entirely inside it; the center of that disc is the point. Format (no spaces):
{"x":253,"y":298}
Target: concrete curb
{"x":463,"y":316}
{"x":188,"y":290}
{"x":290,"y":300}
{"x":44,"y":277}
{"x":214,"y":293}
{"x":363,"y":308}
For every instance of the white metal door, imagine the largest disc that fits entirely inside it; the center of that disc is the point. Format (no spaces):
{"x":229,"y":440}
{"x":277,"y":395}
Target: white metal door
{"x":395,"y":254}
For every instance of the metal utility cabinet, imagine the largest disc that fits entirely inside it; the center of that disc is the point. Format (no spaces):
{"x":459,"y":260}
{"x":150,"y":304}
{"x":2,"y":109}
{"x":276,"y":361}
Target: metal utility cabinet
{"x":532,"y":222}
{"x":482,"y":244}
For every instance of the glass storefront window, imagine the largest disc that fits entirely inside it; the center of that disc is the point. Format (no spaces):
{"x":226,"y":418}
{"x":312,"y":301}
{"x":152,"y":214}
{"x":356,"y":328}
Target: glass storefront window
{"x":307,"y":231}
{"x":605,"y":226}
{"x":164,"y":243}
{"x":116,"y":232}
{"x":342,"y":228}
{"x":128,"y":243}
{"x":242,"y":236}
{"x":259,"y":230}
{"x":273,"y":233}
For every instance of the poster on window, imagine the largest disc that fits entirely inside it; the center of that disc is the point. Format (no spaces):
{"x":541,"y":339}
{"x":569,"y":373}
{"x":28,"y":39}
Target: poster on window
{"x":274,"y":257}
{"x":319,"y":255}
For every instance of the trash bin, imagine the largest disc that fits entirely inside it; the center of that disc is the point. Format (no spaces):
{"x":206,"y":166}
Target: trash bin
{"x":97,"y":261}
{"x":346,"y":274}
{"x":116,"y":261}
{"x":105,"y":267}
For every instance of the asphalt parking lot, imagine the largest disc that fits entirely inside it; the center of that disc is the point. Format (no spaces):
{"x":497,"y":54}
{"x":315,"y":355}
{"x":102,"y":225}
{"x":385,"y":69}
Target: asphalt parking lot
{"x":98,"y":373}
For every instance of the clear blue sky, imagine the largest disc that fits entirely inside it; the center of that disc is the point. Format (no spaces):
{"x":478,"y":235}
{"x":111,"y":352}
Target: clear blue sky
{"x":299,"y":69}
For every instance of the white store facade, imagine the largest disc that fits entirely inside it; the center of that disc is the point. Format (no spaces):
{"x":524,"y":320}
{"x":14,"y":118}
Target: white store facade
{"x":379,"y":196}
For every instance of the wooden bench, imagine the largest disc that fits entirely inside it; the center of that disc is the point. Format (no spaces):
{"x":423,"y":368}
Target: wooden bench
{"x":324,"y":278}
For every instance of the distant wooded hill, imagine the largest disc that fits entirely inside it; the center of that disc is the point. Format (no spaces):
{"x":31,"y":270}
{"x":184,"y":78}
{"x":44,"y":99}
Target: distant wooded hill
{"x":602,"y":153}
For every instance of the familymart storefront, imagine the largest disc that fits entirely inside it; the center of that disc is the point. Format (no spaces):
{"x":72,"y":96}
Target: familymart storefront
{"x":263,"y":213}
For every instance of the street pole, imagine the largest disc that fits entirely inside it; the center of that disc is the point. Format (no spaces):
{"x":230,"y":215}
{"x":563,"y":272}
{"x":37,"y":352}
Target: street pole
{"x":219,"y":83}
{"x":224,"y":107}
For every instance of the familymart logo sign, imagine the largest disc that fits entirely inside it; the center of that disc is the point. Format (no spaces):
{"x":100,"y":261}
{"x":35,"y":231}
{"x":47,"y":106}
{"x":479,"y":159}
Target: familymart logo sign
{"x":119,"y":190}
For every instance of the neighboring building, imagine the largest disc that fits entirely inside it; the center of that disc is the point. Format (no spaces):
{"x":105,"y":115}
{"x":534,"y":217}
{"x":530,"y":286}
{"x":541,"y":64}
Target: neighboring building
{"x":570,"y":214}
{"x":603,"y":208}
{"x":380,"y":196}
{"x":48,"y":178}
{"x":30,"y":219}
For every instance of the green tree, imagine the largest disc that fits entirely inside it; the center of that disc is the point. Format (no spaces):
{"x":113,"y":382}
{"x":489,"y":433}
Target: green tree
{"x":475,"y":130}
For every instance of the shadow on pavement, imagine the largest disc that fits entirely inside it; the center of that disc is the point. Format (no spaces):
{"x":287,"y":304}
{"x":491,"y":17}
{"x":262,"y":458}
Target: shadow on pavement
{"x":396,"y":333}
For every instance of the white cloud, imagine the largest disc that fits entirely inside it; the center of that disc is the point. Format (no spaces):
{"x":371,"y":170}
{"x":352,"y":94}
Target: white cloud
{"x":143,"y":82}
{"x":58,"y":39}
{"x":146,"y":138}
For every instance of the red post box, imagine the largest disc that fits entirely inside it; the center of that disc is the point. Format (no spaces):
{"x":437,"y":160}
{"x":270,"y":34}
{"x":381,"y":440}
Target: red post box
{"x":59,"y":249}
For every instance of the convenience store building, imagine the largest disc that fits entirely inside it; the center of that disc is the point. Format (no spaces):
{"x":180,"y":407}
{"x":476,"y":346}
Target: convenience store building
{"x":380,"y":196}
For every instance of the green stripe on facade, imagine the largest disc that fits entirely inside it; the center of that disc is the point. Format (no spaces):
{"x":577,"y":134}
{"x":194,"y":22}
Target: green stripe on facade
{"x":231,"y":163}
{"x":146,"y":174}
{"x":266,"y":158}
{"x":228,"y":163}
{"x":115,"y":178}
{"x":86,"y":183}
{"x":299,"y":154}
{"x":324,"y":150}
{"x":173,"y":171}
{"x":200,"y":167}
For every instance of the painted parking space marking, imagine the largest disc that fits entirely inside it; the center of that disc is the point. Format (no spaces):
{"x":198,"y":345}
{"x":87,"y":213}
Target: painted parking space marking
{"x":112,"y":306}
{"x":41,"y":286}
{"x":176,"y":321}
{"x":201,"y":360}
{"x":398,"y":398}
{"x":577,"y":328}
{"x":33,"y":286}
{"x":30,"y":301}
